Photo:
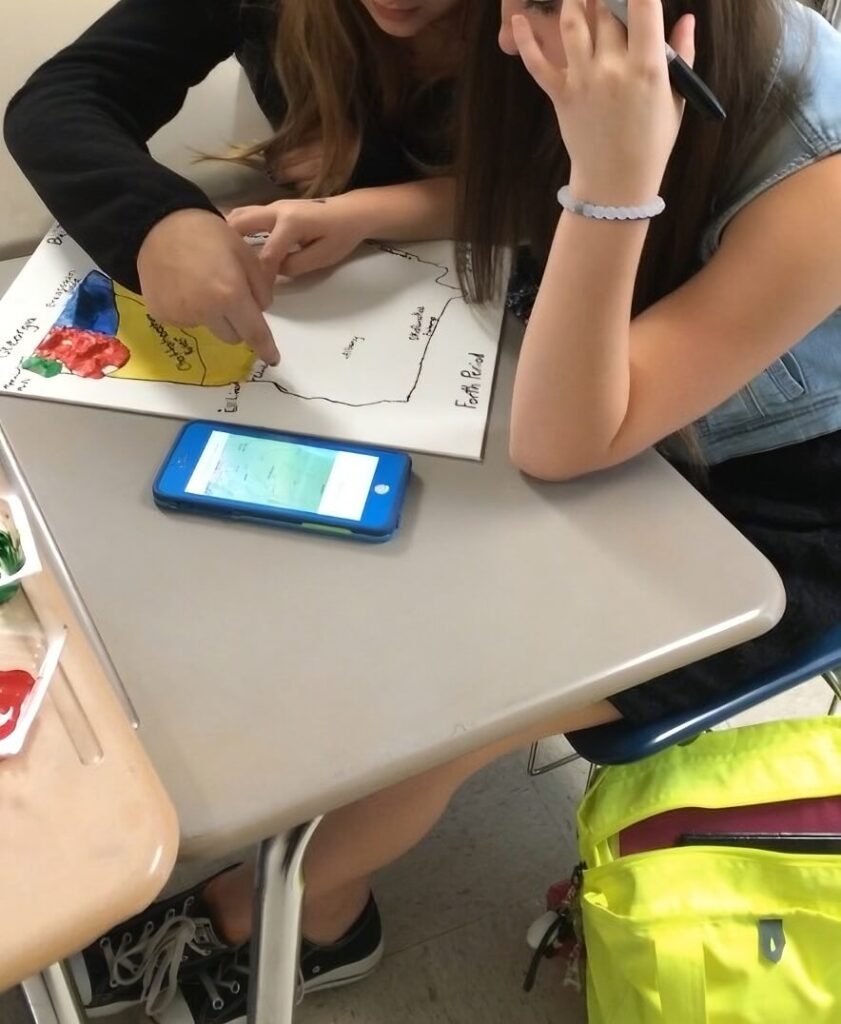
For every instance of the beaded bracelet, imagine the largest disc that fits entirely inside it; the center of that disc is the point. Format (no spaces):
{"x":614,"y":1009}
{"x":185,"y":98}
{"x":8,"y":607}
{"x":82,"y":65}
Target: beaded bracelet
{"x":644,"y":212}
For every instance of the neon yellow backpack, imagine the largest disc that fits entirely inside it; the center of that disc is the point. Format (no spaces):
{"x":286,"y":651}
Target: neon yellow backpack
{"x":716,"y":934}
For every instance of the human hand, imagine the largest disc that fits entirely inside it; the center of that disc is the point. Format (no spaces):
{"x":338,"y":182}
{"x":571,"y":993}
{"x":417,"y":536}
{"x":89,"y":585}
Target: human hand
{"x":194,"y":269}
{"x":304,"y":234}
{"x":618,"y":115}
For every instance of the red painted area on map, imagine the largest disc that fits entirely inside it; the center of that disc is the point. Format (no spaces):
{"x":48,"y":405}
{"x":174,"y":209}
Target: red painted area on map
{"x":85,"y":353}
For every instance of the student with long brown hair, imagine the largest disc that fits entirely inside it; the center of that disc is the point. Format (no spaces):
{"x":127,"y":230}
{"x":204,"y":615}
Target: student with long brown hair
{"x":711,"y":330}
{"x":356,"y":91}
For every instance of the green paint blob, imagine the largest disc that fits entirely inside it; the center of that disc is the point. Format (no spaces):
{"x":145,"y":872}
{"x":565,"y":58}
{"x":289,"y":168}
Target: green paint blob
{"x":43,"y":367}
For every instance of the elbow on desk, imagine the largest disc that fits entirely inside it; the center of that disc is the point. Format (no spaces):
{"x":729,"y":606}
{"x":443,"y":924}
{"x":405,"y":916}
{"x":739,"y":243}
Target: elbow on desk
{"x":548,"y":467}
{"x":537,"y":452}
{"x":538,"y":457}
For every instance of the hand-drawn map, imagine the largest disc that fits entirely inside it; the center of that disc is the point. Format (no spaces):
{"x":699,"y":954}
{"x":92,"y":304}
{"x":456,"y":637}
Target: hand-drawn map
{"x":382,"y":349}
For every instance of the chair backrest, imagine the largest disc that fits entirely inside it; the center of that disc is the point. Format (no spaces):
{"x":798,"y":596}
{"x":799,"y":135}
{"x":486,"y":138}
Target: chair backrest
{"x":622,"y":742}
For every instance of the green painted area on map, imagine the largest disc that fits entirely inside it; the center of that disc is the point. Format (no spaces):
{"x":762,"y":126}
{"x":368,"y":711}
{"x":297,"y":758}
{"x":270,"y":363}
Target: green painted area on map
{"x":44,"y":367}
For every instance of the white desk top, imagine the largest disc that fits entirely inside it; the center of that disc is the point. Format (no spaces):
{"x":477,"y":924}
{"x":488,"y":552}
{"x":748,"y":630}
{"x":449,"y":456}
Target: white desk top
{"x":279,"y":675}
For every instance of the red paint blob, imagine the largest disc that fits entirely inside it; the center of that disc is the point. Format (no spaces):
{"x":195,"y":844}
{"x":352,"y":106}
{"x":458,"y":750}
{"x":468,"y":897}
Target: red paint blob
{"x":85,"y":353}
{"x":15,"y":687}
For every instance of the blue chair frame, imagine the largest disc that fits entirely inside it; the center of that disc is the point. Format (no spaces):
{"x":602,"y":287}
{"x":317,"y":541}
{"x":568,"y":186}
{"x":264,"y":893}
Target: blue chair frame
{"x":623,"y":742}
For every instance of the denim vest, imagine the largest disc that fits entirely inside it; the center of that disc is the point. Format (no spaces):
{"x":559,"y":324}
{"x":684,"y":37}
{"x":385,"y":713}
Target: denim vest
{"x":799,"y":396}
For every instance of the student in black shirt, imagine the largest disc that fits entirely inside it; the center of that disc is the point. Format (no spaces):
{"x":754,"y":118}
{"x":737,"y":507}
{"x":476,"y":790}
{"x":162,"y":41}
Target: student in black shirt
{"x":361,"y":105}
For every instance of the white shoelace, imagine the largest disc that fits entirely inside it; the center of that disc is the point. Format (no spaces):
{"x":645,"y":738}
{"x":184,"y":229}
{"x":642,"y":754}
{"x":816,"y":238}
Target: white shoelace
{"x":155,"y":959}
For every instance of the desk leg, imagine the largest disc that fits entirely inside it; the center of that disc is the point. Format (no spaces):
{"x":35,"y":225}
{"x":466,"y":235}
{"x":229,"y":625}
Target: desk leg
{"x":52,"y":997}
{"x":276,"y":938}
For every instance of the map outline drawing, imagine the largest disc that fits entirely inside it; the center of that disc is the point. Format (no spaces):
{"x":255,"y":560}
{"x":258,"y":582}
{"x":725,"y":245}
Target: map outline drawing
{"x":98,"y":306}
{"x":403,"y":254}
{"x":384,"y":348}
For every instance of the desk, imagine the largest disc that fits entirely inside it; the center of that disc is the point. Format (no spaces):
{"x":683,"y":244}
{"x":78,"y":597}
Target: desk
{"x":89,"y":835}
{"x":277,"y":676}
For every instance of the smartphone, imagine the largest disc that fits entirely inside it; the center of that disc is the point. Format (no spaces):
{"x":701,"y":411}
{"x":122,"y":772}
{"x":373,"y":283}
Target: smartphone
{"x":279,"y":479}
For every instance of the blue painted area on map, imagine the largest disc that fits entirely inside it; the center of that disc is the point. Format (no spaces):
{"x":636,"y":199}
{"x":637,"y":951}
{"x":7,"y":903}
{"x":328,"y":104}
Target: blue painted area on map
{"x":92,"y":307}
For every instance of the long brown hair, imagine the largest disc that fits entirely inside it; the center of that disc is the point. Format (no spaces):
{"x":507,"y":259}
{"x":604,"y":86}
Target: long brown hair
{"x":338,"y":71}
{"x":511,"y":160}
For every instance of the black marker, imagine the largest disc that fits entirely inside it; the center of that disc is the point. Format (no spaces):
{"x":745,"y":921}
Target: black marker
{"x":696,"y":92}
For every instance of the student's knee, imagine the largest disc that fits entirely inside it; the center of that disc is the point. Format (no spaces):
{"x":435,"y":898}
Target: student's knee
{"x":587,"y":717}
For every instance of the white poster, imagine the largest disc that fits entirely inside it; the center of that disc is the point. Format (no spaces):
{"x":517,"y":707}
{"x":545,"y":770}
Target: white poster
{"x":383,"y":349}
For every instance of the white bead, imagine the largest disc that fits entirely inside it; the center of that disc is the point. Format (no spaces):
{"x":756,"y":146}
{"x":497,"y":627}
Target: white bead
{"x":595,"y":212}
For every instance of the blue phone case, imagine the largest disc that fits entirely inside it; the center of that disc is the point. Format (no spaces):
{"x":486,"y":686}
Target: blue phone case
{"x":380,"y":516}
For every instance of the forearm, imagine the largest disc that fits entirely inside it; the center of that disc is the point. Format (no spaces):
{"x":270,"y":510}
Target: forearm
{"x":572,"y":386}
{"x":414,"y":211}
{"x":83,"y":184}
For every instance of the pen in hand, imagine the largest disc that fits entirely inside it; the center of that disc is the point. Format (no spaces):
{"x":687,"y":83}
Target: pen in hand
{"x":689,"y":85}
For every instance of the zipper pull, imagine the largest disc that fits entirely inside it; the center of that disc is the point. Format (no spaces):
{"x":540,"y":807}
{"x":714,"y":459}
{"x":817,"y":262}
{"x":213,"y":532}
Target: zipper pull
{"x":772,"y":939}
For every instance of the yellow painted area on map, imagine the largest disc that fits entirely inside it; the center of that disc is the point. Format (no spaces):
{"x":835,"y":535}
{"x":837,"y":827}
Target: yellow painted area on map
{"x":160,"y":352}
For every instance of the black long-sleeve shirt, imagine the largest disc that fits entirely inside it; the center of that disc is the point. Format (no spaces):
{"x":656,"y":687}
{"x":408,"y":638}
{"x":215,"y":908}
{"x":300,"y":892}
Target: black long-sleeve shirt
{"x":79,"y":127}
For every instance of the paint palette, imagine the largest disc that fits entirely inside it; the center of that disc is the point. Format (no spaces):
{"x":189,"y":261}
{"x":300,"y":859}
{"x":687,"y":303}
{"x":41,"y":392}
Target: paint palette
{"x":18,"y":554}
{"x":30,"y":647}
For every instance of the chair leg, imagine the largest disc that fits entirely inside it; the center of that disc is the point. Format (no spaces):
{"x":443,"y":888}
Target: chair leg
{"x":535,"y":771}
{"x":276,"y":938}
{"x":833,"y":679}
{"x":52,"y":997}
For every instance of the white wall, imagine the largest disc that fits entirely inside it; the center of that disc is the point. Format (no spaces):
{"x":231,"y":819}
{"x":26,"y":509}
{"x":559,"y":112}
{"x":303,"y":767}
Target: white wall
{"x":220,"y":111}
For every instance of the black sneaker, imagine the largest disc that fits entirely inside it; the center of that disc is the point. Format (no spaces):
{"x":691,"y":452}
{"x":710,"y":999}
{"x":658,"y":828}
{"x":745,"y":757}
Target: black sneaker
{"x":356,"y":954}
{"x":218,"y":994}
{"x":139,"y":961}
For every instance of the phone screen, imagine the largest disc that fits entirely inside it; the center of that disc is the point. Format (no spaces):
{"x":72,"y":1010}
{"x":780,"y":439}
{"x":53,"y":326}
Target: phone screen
{"x":280,"y":474}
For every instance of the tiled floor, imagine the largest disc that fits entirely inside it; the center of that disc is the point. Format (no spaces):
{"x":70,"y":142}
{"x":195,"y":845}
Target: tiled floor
{"x":457,"y":907}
